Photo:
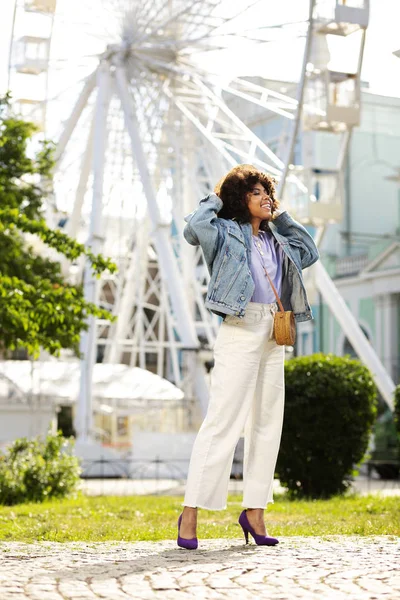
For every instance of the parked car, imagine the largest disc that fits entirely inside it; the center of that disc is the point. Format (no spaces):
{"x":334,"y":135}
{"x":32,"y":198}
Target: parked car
{"x":385,"y":447}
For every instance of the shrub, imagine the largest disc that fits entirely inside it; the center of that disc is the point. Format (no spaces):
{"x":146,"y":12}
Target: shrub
{"x":330,"y":409}
{"x":36,"y":470}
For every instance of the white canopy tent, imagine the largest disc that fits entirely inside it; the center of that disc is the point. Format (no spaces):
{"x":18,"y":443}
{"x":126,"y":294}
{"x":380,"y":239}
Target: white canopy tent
{"x":57,"y":380}
{"x":32,"y":391}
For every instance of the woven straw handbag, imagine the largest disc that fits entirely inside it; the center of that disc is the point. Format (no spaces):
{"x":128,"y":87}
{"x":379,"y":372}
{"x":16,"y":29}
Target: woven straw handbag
{"x":284,"y":323}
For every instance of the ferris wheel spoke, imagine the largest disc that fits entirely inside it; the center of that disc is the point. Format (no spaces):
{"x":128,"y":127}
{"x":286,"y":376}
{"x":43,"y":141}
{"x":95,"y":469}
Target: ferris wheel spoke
{"x":75,"y":114}
{"x":261,"y":101}
{"x":215,"y":129}
{"x":195,"y":120}
{"x":74,"y":60}
{"x":254,"y":87}
{"x":146,"y":11}
{"x":201,"y":49}
{"x":225,"y":21}
{"x":208,"y":114}
{"x":208,"y":92}
{"x":86,"y":163}
{"x":172,"y":18}
{"x":132,"y":24}
{"x":255,"y":93}
{"x":151,"y":125}
{"x":247,"y":37}
{"x":147,"y":95}
{"x":283,"y":25}
{"x":280,"y":33}
{"x":148,"y":14}
{"x":150,"y":100}
{"x":203,"y":20}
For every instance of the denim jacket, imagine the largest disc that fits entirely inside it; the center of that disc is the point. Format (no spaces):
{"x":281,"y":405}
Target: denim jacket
{"x":226,"y":246}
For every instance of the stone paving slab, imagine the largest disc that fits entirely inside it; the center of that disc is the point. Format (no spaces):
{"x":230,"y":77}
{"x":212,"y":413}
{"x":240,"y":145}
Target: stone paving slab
{"x":334,"y":567}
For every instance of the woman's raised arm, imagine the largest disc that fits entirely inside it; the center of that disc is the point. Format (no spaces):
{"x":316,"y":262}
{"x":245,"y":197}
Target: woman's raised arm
{"x":202,"y":226}
{"x":297,"y":236}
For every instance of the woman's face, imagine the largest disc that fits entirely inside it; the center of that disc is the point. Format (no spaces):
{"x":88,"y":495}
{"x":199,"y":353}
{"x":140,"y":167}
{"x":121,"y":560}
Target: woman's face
{"x":259,"y":203}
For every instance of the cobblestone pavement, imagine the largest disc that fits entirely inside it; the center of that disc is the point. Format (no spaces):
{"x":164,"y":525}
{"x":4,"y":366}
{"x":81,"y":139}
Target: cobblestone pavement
{"x":299,"y":567}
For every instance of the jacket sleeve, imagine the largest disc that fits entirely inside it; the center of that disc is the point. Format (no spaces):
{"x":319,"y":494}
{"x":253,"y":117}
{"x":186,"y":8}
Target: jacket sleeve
{"x":297,"y":236}
{"x":202,"y":226}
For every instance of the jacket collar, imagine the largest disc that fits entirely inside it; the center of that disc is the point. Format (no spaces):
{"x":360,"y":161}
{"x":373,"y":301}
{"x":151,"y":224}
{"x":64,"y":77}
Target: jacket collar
{"x":247,"y":232}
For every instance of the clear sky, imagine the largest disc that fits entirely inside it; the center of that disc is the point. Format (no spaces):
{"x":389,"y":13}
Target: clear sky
{"x":381,"y":68}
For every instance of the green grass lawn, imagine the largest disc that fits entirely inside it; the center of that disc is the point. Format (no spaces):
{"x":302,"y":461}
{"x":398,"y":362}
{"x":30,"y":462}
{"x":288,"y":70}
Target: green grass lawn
{"x":154,"y":518}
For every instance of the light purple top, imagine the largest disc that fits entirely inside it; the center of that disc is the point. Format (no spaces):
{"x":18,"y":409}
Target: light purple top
{"x":266,"y":251}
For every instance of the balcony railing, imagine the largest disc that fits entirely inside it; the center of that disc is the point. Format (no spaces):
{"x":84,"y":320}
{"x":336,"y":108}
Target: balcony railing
{"x":351,"y":265}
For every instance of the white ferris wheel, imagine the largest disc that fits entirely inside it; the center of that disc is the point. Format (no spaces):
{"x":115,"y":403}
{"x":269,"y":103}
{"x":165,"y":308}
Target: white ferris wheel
{"x":151,"y":102}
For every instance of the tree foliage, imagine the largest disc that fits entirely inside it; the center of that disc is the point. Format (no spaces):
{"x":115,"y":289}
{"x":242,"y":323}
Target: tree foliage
{"x":38,"y":307}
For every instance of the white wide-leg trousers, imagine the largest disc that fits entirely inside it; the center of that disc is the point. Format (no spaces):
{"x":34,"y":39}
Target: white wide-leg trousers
{"x":247,"y":393}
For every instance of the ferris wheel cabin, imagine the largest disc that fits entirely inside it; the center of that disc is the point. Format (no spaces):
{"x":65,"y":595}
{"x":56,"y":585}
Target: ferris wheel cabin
{"x":345,"y":18}
{"x":43,"y":6}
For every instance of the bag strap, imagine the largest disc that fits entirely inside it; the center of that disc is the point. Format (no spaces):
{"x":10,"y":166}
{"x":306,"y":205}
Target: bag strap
{"x":273,"y":287}
{"x":275,"y":292}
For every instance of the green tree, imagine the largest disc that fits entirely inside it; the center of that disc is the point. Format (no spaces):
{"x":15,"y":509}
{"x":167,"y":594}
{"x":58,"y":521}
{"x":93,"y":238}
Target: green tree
{"x":38,"y":308}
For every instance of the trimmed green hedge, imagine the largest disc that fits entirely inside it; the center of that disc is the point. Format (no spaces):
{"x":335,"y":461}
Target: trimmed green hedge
{"x":36,"y":470}
{"x":330,"y":408}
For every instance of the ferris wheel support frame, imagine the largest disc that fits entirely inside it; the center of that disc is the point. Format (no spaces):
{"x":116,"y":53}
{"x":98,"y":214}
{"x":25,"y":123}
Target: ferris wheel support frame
{"x":90,"y":83}
{"x":138,"y":317}
{"x":170,"y":275}
{"x":167,"y":261}
{"x":88,"y":346}
{"x":160,"y":232}
{"x":191,"y":259}
{"x":113,"y":353}
{"x":72,"y":225}
{"x":87,"y":159}
{"x":176,"y":373}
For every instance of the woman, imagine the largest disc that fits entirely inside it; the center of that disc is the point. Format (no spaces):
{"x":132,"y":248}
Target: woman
{"x":243,"y":235}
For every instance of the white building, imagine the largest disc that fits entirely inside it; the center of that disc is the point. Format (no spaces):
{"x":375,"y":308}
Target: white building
{"x":362,"y":252}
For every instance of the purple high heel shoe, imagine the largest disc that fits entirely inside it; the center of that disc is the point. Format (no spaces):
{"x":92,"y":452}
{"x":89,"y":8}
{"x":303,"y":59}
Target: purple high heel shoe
{"x":183,"y":543}
{"x":260,"y":540}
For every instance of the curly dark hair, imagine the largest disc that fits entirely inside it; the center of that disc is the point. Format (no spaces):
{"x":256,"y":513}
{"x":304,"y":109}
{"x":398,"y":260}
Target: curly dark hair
{"x":234,"y":186}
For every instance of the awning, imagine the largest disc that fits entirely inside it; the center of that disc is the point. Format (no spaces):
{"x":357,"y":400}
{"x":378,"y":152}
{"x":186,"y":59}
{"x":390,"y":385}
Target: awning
{"x":60,"y":380}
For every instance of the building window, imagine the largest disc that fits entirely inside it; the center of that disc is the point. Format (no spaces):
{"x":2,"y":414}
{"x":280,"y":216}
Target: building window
{"x":348,"y":348}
